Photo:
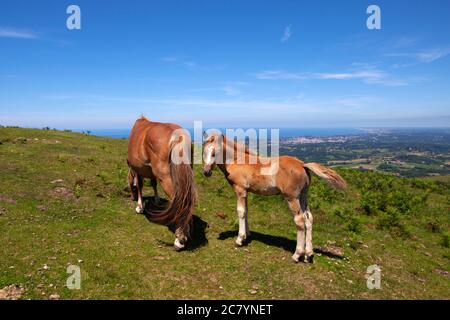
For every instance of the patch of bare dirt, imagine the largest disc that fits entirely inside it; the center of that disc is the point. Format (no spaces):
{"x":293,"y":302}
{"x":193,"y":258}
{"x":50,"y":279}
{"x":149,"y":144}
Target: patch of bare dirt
{"x":331,"y":251}
{"x":442,"y":272}
{"x":7,"y":200}
{"x":42,"y":207}
{"x":221,"y":215}
{"x":3,"y":211}
{"x":20,"y":140}
{"x":12,"y":292}
{"x":62,"y":192}
{"x":80,"y":182}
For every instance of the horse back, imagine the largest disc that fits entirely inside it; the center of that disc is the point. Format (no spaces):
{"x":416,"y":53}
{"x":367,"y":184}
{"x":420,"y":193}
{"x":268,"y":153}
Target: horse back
{"x":148,"y":144}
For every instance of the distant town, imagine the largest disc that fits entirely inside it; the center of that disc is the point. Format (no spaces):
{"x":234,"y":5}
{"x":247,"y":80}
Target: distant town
{"x":403,"y":152}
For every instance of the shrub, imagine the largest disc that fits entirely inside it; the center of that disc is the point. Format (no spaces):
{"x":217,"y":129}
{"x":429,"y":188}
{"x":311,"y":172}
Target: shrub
{"x":392,"y":220}
{"x":352,"y":222}
{"x":446,"y":239}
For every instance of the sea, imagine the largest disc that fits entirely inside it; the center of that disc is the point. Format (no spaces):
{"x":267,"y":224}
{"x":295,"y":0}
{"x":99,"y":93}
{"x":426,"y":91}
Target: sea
{"x":283,"y":133}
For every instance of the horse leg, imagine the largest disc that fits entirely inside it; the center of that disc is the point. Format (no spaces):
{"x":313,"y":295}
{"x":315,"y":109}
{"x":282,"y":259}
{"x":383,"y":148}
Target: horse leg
{"x":242,"y":211}
{"x":155,"y":190}
{"x":180,"y":232}
{"x":299,"y":220}
{"x":309,"y":251}
{"x":309,"y":254}
{"x":139,"y":182}
{"x":131,"y":182}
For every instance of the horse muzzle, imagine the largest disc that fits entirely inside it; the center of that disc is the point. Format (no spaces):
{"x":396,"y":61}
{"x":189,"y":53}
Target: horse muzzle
{"x":207,"y":172}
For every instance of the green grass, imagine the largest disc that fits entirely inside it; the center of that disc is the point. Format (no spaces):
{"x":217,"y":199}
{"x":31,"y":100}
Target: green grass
{"x":88,"y":220}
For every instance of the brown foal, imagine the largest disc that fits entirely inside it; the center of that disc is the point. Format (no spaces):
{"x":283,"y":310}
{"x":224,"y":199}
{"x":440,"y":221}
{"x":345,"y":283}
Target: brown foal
{"x":283,"y":175}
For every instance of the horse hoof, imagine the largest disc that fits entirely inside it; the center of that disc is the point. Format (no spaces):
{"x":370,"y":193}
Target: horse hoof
{"x":177,"y":245}
{"x":239,"y":242}
{"x":298,"y":257}
{"x":309,"y":258}
{"x":140,"y":210}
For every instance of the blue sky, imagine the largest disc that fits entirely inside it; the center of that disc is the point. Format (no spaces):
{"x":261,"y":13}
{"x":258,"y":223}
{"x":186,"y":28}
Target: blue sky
{"x":227,"y":63}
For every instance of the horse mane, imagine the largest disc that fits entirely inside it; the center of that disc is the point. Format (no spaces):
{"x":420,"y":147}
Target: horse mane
{"x":235,"y":144}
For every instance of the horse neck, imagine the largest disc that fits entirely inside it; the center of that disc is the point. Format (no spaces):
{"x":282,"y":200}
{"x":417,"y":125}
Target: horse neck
{"x":224,"y":167}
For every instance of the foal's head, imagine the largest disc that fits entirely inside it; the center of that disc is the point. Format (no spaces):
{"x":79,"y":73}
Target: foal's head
{"x":212,"y":147}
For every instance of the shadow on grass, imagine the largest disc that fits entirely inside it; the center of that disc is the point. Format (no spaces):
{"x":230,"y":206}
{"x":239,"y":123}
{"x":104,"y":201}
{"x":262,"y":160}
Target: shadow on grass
{"x":198,"y":232}
{"x":276,"y":241}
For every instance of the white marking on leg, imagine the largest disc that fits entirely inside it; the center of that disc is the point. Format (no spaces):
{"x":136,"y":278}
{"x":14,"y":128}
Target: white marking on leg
{"x":243,"y":223}
{"x":308,"y":224}
{"x":299,"y":220}
{"x":140,"y":207}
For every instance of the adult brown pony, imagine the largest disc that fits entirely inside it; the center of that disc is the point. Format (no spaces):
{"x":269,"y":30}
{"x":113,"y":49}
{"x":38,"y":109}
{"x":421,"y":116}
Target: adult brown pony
{"x":161,"y":153}
{"x":283,"y":175}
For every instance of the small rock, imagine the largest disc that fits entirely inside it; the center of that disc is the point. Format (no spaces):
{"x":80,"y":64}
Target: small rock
{"x":57,"y":181}
{"x":54,"y":297}
{"x":330,"y":250}
{"x":221,"y":215}
{"x":20,"y":139}
{"x":12,"y":292}
{"x":42,"y":207}
{"x":159,"y":258}
{"x":442,"y":272}
{"x":45,"y":267}
{"x":253,"y":291}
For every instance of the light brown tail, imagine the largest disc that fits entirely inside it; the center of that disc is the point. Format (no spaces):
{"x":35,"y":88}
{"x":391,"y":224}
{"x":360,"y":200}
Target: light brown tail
{"x":327,"y":174}
{"x":180,"y":209}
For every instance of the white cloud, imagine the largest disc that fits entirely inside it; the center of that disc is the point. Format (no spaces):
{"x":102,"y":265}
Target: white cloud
{"x":169,"y":59}
{"x":404,"y":42}
{"x":423,"y":56}
{"x":190,"y":64}
{"x":287,"y":34}
{"x":367,"y":74}
{"x":175,"y":60}
{"x":279,"y":75}
{"x":231,"y":90}
{"x":17,"y":34}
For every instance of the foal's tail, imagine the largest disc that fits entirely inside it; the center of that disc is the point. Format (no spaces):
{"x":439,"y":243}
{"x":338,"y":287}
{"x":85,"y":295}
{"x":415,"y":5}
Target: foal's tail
{"x":180,"y":209}
{"x":327,"y":174}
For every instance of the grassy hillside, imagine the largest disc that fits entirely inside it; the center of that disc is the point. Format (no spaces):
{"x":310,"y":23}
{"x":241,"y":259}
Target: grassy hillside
{"x":62,"y":202}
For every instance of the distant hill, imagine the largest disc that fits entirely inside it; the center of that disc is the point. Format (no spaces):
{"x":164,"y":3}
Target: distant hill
{"x":64,"y":201}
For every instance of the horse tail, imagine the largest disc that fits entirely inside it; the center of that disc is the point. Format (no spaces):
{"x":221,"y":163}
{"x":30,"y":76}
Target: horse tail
{"x":330,"y":176}
{"x":180,"y":208}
